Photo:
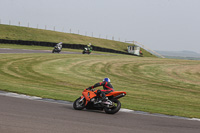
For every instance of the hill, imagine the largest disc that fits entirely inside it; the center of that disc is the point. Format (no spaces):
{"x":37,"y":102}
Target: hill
{"x":32,"y":34}
{"x":180,"y":54}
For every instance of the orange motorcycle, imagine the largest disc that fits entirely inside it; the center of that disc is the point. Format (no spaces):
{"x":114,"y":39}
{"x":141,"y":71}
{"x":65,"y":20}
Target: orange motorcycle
{"x":90,"y":100}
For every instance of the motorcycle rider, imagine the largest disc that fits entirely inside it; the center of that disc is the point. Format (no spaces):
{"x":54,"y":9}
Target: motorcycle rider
{"x":89,"y":45}
{"x":107,"y":88}
{"x":87,"y":49}
{"x":59,"y":45}
{"x":57,"y":48}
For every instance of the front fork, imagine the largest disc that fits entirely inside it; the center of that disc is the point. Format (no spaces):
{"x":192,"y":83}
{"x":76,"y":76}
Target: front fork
{"x":82,"y":98}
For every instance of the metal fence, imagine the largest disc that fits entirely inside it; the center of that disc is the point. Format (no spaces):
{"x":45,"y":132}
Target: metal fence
{"x":64,"y":30}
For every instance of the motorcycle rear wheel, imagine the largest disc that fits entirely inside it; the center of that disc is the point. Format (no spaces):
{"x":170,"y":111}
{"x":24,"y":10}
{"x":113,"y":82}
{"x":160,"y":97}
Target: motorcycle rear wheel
{"x":115,"y":108}
{"x":79,"y":105}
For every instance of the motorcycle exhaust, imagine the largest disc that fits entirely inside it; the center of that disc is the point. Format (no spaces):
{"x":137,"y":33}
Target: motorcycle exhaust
{"x":119,"y":96}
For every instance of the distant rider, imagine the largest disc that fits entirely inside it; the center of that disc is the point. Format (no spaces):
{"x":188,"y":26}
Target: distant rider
{"x":59,"y":45}
{"x":107,"y":88}
{"x":89,"y":46}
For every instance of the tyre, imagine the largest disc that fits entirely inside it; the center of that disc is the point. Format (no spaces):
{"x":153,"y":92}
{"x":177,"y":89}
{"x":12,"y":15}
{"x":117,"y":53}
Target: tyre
{"x":53,"y":51}
{"x":113,"y":109}
{"x":79,"y":105}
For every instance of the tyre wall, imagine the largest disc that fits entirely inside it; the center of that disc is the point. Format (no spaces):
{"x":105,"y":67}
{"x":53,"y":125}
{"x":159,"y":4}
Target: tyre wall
{"x":65,"y":45}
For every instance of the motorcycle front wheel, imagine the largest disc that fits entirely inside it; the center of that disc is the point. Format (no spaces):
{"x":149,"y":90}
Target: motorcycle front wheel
{"x":78,"y":104}
{"x":114,"y":108}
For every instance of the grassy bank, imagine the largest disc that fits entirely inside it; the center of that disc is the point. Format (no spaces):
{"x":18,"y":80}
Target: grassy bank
{"x":31,"y":34}
{"x":154,"y":85}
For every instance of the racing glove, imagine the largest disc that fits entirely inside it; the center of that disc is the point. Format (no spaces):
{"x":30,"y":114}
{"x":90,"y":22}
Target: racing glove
{"x":89,"y":88}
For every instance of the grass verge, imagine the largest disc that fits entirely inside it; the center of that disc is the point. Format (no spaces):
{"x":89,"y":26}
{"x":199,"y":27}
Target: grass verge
{"x":153,"y":85}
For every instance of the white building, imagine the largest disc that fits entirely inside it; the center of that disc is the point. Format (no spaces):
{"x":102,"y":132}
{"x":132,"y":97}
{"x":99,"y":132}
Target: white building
{"x":134,"y":50}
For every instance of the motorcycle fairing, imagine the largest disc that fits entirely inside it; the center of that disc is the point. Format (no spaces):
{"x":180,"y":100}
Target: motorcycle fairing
{"x":87,"y":94}
{"x":115,"y":93}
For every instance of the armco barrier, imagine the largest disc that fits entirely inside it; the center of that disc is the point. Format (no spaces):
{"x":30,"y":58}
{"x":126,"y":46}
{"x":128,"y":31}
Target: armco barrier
{"x":65,"y":45}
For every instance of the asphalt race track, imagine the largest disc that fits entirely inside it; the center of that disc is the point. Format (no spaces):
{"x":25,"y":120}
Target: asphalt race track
{"x":23,"y":115}
{"x":15,"y":51}
{"x":19,"y":115}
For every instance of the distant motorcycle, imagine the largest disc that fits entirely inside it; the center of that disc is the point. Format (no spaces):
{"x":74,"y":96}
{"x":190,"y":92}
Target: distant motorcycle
{"x":90,"y":100}
{"x":87,"y":50}
{"x":57,"y":48}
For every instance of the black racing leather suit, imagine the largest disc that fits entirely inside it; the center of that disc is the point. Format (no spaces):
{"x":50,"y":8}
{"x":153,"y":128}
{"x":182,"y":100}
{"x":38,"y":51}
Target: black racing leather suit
{"x":107,"y":88}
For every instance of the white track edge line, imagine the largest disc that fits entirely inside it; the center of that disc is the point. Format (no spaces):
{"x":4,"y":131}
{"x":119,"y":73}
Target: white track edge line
{"x":22,"y":96}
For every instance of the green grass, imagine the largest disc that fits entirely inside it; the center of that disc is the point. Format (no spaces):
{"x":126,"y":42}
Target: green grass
{"x":31,"y":34}
{"x":165,"y":86}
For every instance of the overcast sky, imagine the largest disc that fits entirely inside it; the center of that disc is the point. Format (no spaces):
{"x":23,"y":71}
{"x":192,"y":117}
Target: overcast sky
{"x":170,"y":25}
